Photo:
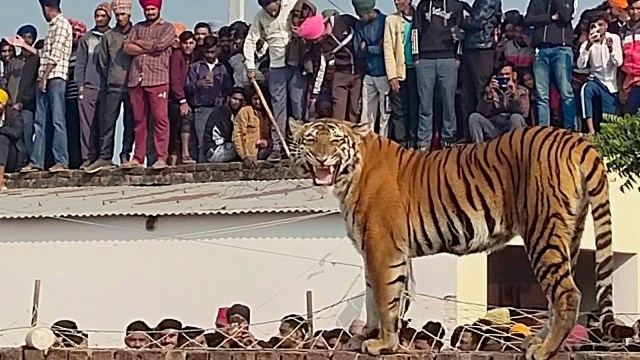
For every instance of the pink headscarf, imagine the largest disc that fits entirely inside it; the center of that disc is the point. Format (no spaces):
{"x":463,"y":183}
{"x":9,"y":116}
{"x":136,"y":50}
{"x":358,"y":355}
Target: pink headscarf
{"x":221,"y":318}
{"x":312,"y":28}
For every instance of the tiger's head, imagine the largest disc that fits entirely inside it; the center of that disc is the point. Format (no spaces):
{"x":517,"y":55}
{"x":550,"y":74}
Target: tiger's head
{"x":328,"y":148}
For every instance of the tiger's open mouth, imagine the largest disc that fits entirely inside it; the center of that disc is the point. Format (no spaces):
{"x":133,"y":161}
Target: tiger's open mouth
{"x":324,"y":175}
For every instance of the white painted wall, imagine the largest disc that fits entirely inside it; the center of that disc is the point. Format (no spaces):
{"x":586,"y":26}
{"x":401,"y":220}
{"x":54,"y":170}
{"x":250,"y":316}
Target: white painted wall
{"x":107,"y":272}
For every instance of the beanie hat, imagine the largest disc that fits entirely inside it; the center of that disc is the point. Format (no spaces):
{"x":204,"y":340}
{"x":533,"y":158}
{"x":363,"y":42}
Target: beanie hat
{"x":4,"y":97}
{"x":363,"y":6}
{"x":106,"y":7}
{"x":241,"y":310}
{"x":28,"y":29}
{"x":312,"y":28}
{"x":121,"y":6}
{"x":147,"y":3}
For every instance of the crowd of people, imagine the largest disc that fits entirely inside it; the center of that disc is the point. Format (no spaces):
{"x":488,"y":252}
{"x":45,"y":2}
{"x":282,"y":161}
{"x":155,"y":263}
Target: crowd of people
{"x":437,"y":74}
{"x":501,"y":329}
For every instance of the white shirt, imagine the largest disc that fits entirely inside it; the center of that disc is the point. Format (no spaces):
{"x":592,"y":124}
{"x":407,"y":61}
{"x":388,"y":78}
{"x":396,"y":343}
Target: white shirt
{"x":602,"y":63}
{"x":276,"y":32}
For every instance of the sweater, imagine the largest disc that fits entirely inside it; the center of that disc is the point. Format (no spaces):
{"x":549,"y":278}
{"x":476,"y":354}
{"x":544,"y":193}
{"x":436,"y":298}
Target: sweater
{"x":114,"y":62}
{"x":87,"y":74}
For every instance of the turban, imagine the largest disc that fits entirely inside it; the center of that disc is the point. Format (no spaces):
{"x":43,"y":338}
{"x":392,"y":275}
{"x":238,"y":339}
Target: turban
{"x":4,"y":97}
{"x":241,"y":310}
{"x":620,"y":4}
{"x":121,"y":6}
{"x":312,"y":28}
{"x":519,"y":328}
{"x":363,"y":6}
{"x":179,"y":27}
{"x":147,"y":3}
{"x":106,"y":7}
{"x":78,"y":27}
{"x":578,"y":336}
{"x":28,"y":29}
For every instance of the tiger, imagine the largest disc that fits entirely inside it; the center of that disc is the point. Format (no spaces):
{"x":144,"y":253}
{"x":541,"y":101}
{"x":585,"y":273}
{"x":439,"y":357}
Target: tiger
{"x":399,"y":204}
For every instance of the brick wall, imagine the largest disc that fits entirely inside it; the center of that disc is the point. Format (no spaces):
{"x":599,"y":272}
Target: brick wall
{"x":196,"y":173}
{"x":106,"y":354}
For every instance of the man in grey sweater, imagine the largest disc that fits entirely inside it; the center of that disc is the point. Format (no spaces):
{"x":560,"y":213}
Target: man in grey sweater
{"x":89,"y":80}
{"x":114,"y":65}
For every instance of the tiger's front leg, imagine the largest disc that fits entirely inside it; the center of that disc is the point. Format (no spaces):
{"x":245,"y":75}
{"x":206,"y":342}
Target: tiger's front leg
{"x":387,"y":273}
{"x":372,"y":325}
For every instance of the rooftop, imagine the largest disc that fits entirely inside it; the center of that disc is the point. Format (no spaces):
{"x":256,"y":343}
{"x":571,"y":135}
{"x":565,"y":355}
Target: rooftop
{"x":234,"y":197}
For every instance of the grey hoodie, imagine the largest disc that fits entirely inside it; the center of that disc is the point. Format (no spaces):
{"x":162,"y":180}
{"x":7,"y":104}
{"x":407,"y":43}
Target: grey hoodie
{"x":86,"y":73}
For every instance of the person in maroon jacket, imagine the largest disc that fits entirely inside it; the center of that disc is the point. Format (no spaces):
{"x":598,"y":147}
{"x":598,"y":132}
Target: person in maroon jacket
{"x":180,"y":114}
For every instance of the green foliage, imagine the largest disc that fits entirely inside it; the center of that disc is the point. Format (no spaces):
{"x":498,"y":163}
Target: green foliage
{"x":619,"y":143}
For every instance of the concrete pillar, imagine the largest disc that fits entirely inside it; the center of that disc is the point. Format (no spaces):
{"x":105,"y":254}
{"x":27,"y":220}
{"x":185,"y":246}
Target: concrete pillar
{"x":236,"y":10}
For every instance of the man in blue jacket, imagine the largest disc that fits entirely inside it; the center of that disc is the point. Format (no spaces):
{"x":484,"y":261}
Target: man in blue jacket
{"x":552,"y":41}
{"x":368,"y":41}
{"x":478,"y":55}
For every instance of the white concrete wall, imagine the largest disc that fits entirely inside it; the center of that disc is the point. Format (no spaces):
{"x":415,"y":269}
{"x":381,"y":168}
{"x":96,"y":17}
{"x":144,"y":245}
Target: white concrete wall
{"x":107,"y":272}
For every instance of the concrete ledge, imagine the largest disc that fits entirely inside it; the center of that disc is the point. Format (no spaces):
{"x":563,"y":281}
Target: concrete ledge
{"x":125,"y":354}
{"x":196,"y":173}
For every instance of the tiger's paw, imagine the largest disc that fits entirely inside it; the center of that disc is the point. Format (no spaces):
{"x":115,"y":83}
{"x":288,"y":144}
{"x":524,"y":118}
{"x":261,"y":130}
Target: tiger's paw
{"x":537,"y":352}
{"x":531,"y":340}
{"x":377,"y":347}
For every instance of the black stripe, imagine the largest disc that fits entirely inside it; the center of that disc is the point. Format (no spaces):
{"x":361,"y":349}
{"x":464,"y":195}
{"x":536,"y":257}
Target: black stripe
{"x":394,"y":301}
{"x":591,"y":173}
{"x":559,"y":278}
{"x":488,"y":218}
{"x":400,"y":279}
{"x":423,"y":228}
{"x":403,"y":263}
{"x":469,"y":231}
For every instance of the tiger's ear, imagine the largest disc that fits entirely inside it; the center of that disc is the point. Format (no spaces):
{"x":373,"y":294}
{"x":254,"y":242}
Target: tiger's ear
{"x":297,"y":128}
{"x":362,"y":129}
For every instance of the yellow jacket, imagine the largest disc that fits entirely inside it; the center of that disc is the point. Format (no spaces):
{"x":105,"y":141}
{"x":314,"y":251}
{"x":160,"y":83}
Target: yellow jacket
{"x":394,"y":58}
{"x":247,"y":131}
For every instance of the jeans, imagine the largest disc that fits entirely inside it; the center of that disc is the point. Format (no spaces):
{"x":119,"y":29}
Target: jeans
{"x":594,"y":90}
{"x":559,"y":62}
{"x":375,"y":101}
{"x":51,"y":101}
{"x":483,"y":129}
{"x":27,"y":130}
{"x":404,"y":111}
{"x":286,"y":84}
{"x":430,"y":72}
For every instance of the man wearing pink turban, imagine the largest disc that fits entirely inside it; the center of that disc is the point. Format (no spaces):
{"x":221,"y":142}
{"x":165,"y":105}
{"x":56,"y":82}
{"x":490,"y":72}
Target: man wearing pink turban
{"x":150,"y":45}
{"x":333,"y":38}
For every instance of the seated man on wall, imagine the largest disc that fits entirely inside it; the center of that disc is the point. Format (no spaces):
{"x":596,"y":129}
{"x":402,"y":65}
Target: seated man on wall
{"x":504,"y":107}
{"x":218,"y":133}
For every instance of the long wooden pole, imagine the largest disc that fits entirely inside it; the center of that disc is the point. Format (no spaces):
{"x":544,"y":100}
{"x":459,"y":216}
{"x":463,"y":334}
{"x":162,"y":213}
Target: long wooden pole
{"x":35,"y":307}
{"x":310,"y":310}
{"x":270,"y":114}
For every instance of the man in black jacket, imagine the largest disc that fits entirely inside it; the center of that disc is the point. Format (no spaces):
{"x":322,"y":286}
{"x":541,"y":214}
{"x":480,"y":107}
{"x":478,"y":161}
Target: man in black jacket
{"x":12,"y":153}
{"x":21,"y":81}
{"x":217,"y":142}
{"x":435,"y":36}
{"x":479,"y":52}
{"x":552,"y":41}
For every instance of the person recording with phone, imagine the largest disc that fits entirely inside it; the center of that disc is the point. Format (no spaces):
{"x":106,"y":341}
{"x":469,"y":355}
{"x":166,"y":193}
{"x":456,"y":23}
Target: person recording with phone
{"x":602,"y":55}
{"x":503,"y":107}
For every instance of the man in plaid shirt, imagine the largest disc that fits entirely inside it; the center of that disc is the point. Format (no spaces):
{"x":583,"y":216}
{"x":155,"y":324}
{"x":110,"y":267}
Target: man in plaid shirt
{"x":150,"y":45}
{"x":50,"y":95}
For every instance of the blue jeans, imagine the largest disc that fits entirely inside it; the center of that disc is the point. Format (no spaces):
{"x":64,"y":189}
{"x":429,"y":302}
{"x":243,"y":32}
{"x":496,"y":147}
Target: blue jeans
{"x":430,"y":72}
{"x":50,"y":108}
{"x":558,"y":60}
{"x":287,"y":84}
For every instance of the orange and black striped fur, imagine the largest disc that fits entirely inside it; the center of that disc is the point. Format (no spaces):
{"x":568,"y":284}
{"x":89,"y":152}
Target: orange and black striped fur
{"x":536,"y":182}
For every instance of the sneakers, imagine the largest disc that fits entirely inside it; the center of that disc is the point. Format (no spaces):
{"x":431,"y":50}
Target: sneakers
{"x":131,"y":164}
{"x":275,"y":156}
{"x":97,"y":166}
{"x":159,"y":165}
{"x":85,"y":164}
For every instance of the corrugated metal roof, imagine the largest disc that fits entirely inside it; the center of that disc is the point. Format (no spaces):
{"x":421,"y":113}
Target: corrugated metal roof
{"x":236,"y":197}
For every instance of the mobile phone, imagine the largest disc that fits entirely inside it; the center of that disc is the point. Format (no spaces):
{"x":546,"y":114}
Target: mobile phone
{"x":503,"y":81}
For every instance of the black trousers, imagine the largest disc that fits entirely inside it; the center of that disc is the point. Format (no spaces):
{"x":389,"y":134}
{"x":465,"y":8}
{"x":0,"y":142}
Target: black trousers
{"x":405,"y":105}
{"x":112,"y":99}
{"x":476,"y":70}
{"x":10,"y":157}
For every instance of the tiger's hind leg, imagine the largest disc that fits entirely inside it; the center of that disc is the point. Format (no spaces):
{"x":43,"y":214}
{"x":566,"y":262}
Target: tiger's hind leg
{"x":549,"y":250}
{"x":387,"y":269}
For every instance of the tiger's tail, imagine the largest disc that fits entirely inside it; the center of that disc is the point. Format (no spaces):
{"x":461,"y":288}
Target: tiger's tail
{"x":597,"y":186}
